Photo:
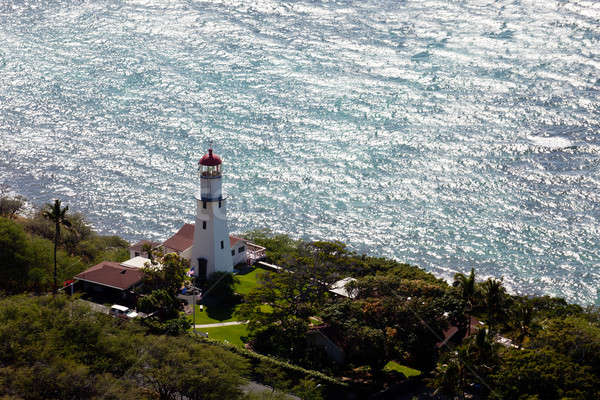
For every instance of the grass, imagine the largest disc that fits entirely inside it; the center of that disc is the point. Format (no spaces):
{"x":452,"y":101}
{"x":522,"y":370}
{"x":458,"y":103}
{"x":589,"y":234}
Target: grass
{"x":215,"y":313}
{"x":407,"y":371}
{"x":248,"y":281}
{"x":231,"y":334}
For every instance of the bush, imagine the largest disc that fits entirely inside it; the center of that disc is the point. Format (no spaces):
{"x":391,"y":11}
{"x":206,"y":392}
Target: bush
{"x":15,"y":255}
{"x":10,"y":206}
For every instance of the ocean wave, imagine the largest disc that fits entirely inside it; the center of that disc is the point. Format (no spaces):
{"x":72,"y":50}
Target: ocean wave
{"x":551,"y":142}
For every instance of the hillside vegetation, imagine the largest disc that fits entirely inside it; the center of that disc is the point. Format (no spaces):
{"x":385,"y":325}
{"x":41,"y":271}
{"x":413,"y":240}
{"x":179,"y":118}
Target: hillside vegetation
{"x":401,"y":328}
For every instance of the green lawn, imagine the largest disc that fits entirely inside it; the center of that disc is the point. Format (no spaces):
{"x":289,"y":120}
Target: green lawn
{"x":216,"y":313}
{"x":231,"y":334}
{"x":407,"y":371}
{"x":248,"y":281}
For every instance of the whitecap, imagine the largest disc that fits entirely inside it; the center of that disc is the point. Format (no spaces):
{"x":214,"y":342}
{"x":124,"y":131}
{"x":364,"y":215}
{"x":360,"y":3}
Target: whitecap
{"x":551,"y":142}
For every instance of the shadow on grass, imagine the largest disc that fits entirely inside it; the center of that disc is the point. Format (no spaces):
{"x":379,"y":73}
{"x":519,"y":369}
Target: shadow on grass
{"x":243,"y":269}
{"x":220,"y":309}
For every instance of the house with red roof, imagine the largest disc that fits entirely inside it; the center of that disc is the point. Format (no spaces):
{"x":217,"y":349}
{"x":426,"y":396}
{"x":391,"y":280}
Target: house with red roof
{"x":110,"y":282}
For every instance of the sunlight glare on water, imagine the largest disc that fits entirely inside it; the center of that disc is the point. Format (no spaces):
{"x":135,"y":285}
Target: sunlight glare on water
{"x":444,"y":134}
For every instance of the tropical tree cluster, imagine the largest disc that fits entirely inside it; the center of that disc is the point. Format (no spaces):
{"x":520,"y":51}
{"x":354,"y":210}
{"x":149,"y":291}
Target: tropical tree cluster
{"x":397,"y":312}
{"x":27,"y":262}
{"x":529,"y":347}
{"x":474,"y":337}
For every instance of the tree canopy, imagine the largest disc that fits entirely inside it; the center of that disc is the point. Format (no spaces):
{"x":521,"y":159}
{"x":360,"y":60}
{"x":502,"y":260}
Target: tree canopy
{"x":60,"y":349}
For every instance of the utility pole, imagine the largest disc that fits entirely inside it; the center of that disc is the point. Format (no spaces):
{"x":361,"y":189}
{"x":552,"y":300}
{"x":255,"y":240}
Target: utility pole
{"x":194,"y":309}
{"x":194,"y":290}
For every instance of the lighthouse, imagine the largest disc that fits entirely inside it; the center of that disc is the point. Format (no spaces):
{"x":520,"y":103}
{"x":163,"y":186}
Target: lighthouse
{"x":211,"y":249}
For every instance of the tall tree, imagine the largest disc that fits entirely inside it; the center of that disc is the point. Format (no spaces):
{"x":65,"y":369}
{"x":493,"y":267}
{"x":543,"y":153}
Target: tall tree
{"x":57,"y":214}
{"x":522,"y":317}
{"x":466,"y":287}
{"x":163,"y":278}
{"x":495,"y":299}
{"x":147,"y":248}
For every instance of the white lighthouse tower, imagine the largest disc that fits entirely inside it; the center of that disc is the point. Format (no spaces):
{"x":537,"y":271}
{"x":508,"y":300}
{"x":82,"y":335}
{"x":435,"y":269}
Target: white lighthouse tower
{"x":211,"y":250}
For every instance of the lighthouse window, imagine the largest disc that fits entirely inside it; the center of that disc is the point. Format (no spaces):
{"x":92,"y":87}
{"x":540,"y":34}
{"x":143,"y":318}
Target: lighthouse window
{"x":203,"y":203}
{"x":233,"y":252}
{"x":222,"y":246}
{"x":203,"y":224}
{"x":219,"y":203}
{"x":241,"y":249}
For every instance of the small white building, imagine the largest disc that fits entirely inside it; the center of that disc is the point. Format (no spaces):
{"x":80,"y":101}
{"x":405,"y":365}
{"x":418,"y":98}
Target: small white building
{"x":140,"y":262}
{"x":238,"y":250}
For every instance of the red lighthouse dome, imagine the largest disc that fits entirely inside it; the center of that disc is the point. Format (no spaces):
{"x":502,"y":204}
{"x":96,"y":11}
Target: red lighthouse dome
{"x":210,"y":159}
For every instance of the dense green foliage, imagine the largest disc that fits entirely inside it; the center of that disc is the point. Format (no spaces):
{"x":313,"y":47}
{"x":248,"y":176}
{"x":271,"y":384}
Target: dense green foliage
{"x":26,"y":262}
{"x":163,"y":278}
{"x":26,"y":257}
{"x":55,"y":348}
{"x":399,"y":312}
{"x":554,"y":355}
{"x":79,"y":240}
{"x":287,"y":253}
{"x":31,"y":247}
{"x":542,"y":374}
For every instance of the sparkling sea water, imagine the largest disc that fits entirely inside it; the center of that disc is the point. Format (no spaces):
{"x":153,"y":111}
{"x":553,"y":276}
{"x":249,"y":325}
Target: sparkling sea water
{"x":447,"y":134}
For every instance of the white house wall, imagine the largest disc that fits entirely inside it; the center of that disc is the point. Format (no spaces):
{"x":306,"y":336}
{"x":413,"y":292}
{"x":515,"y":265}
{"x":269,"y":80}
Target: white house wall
{"x":238,"y":257}
{"x":187,"y":253}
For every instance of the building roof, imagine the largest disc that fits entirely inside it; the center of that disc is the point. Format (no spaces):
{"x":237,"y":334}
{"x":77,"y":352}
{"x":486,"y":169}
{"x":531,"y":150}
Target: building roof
{"x":111,"y":274}
{"x":135,"y":262}
{"x":210,"y":159}
{"x":234,"y":239}
{"x":339,"y":287}
{"x":139,"y":245}
{"x":182,"y":240}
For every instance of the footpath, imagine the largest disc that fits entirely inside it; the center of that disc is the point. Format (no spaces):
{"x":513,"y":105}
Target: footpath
{"x":221,"y":324}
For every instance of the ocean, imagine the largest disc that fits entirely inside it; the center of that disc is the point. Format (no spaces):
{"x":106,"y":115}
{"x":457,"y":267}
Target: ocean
{"x":446,"y":134}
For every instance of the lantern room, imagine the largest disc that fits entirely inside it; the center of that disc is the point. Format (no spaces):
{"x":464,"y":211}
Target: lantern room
{"x":210,"y":165}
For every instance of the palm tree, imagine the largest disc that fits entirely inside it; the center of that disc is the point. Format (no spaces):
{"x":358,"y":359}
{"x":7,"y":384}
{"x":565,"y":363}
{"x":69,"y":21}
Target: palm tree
{"x":494,"y":297}
{"x":147,"y":248}
{"x":523,"y":317}
{"x":56,"y":214}
{"x":466,"y":287}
